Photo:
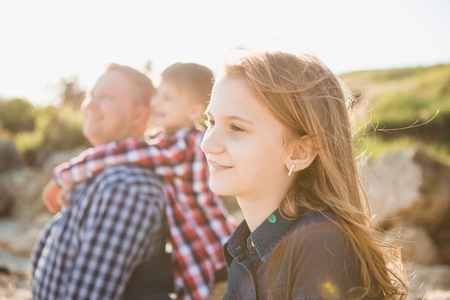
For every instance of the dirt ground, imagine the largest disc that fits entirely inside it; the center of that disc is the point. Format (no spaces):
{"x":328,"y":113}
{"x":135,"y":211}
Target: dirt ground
{"x":14,"y":286}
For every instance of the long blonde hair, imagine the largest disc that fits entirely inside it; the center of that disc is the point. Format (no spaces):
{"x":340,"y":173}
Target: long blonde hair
{"x":308,"y":99}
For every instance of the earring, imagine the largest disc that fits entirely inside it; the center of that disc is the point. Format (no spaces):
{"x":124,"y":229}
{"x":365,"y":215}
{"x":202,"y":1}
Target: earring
{"x":291,"y":169}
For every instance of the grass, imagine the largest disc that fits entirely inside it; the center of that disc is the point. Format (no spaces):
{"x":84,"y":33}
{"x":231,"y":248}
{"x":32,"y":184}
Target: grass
{"x":402,"y":98}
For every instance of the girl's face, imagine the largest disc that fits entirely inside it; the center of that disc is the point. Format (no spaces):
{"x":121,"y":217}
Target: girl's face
{"x":244,"y":145}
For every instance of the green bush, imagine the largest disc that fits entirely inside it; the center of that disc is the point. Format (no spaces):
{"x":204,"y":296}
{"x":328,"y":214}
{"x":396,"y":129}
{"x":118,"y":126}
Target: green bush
{"x":400,"y":109}
{"x":395,"y":74}
{"x":56,"y":130}
{"x":17,"y":115}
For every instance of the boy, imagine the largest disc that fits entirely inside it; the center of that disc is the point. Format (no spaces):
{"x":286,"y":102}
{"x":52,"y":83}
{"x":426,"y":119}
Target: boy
{"x":198,"y":222}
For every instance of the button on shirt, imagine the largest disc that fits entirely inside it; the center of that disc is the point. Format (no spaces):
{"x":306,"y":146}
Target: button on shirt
{"x":288,"y":259}
{"x":112,"y":223}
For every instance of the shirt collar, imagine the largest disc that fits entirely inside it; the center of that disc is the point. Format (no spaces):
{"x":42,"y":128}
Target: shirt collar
{"x":265,"y":238}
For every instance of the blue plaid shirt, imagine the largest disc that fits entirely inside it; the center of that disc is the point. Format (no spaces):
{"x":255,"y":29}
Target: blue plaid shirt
{"x":113,"y":223}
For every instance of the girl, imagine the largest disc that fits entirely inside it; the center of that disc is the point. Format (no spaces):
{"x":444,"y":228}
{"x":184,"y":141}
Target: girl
{"x":279,"y":139}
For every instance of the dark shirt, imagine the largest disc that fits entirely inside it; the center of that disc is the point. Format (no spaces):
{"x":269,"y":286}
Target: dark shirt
{"x":291,"y":259}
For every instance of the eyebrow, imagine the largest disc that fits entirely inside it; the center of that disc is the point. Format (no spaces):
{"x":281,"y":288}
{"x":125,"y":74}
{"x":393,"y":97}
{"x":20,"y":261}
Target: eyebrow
{"x":233,"y":118}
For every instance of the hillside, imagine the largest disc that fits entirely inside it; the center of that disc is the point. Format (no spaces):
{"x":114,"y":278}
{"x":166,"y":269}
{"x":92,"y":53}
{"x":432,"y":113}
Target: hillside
{"x":412,"y":103}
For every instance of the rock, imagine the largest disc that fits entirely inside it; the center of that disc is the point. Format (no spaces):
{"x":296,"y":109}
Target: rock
{"x":27,"y":185}
{"x":13,"y":263}
{"x":6,"y":199}
{"x":18,"y":236}
{"x":411,"y":189}
{"x":433,"y":209}
{"x":437,"y":295}
{"x":10,"y":158}
{"x":416,"y":245}
{"x":391,"y":184}
{"x":424,"y":279}
{"x":15,"y":286}
{"x":20,"y":193}
{"x":57,"y":158}
{"x":410,"y":185}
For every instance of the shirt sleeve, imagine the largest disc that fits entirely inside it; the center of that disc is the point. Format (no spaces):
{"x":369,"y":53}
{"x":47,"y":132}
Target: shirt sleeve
{"x":161,"y":155}
{"x":121,"y":229}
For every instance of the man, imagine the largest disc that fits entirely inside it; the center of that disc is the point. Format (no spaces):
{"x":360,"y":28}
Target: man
{"x":114,"y":221}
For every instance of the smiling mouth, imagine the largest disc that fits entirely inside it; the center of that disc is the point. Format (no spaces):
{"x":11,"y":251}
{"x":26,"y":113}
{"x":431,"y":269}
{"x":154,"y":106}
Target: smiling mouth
{"x":215,"y":168}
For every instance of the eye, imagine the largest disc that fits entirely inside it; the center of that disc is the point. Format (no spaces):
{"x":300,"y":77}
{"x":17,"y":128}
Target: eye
{"x":105,"y":96}
{"x":234,"y":127}
{"x":210,"y":123}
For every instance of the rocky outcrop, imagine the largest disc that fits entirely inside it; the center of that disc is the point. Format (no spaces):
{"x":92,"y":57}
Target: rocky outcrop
{"x":6,"y":199}
{"x":27,"y":214}
{"x":428,"y":282}
{"x":25,"y":185}
{"x":10,"y":158}
{"x":409,"y":193}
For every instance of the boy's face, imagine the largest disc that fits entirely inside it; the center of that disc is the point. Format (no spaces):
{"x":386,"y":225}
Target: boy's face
{"x":173,"y":108}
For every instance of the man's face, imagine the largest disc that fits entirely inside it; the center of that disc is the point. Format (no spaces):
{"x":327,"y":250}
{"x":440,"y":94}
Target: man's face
{"x":110,"y":112}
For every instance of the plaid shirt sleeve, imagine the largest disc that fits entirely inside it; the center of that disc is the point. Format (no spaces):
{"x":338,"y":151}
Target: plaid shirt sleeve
{"x":162,"y":155}
{"x":94,"y":160}
{"x":111,"y":225}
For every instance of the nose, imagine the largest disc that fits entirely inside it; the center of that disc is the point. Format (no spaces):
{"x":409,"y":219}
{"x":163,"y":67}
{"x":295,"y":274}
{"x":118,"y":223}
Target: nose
{"x":88,"y":103}
{"x":212,"y":143}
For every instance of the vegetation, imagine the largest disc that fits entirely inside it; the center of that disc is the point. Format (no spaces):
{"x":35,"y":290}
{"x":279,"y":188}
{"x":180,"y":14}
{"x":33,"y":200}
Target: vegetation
{"x":17,"y":115}
{"x":402,"y":108}
{"x":400,"y":97}
{"x":38,"y":132}
{"x":55,"y":130}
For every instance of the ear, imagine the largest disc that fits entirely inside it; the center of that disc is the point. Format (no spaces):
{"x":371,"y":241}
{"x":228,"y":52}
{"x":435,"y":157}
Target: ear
{"x":302,"y":154}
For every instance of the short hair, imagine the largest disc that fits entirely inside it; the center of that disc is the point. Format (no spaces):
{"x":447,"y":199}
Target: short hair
{"x":144,"y":88}
{"x":196,"y":78}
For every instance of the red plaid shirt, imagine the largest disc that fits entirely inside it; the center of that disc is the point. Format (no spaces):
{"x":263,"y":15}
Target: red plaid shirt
{"x":199,"y":223}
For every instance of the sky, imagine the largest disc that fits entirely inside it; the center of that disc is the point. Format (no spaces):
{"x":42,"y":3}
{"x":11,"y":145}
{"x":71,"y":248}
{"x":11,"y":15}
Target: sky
{"x":46,"y":41}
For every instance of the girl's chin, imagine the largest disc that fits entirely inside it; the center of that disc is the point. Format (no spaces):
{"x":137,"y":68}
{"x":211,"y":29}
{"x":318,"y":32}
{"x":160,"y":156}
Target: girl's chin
{"x":220,"y":190}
